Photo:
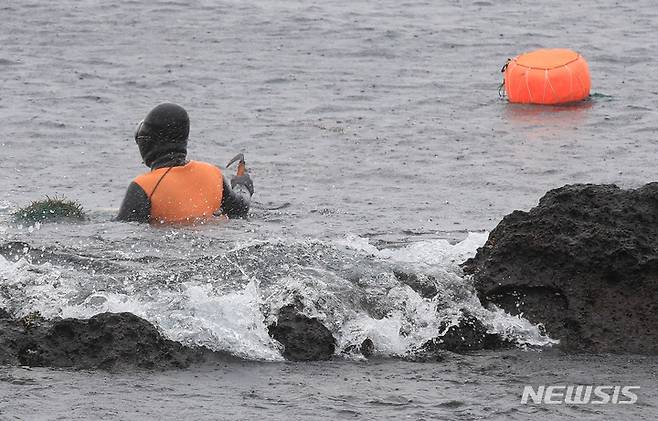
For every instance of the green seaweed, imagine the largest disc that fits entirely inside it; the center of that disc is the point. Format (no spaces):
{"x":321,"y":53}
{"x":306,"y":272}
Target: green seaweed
{"x":51,"y":209}
{"x":32,"y":320}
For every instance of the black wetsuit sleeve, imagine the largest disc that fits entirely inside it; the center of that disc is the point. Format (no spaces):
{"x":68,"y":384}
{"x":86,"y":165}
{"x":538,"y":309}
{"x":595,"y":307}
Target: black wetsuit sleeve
{"x":136,"y":206}
{"x":234,"y":204}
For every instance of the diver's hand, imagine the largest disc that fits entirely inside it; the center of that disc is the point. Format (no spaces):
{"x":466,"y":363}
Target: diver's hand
{"x":243,"y":181}
{"x":241,"y":178}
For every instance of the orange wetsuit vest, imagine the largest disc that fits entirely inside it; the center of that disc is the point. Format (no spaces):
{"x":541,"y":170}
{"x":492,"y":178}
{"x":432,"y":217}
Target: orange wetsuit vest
{"x":185,"y":193}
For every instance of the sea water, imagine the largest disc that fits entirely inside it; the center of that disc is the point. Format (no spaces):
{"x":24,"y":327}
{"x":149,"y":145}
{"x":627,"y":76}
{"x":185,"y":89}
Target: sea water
{"x":377,"y":143}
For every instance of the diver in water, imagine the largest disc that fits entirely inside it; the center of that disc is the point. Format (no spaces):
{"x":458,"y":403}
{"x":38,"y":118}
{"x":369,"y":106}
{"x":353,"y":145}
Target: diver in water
{"x":178,"y":190}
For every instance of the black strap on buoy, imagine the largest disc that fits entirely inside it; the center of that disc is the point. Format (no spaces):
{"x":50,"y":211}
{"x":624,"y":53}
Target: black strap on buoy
{"x":505,"y":65}
{"x":501,"y":91}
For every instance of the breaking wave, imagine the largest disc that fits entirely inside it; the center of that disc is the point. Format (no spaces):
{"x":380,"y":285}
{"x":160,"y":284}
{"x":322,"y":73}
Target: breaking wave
{"x":224,"y":299}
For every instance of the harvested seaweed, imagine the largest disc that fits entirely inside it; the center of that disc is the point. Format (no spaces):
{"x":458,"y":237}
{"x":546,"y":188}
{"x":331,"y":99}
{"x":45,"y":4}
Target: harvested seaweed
{"x":51,"y":209}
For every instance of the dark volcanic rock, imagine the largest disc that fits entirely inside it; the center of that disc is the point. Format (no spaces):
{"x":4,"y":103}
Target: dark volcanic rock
{"x":366,"y":348}
{"x":468,"y":335}
{"x":303,"y":338}
{"x":424,"y":285}
{"x":584,"y":262}
{"x":106,"y":341}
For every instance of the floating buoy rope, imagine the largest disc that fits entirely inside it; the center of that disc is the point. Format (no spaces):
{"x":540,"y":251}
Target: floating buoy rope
{"x":501,"y":90}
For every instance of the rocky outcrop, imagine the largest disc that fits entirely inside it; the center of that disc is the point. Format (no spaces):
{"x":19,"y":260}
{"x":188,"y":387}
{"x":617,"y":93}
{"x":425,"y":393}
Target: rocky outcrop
{"x":467,"y":335}
{"x":303,"y":338}
{"x":107,"y":341}
{"x":584,"y":262}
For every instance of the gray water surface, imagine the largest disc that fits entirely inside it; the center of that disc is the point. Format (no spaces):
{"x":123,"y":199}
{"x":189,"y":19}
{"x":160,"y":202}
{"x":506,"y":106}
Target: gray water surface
{"x":369,"y":117}
{"x":365,"y":124}
{"x":481,"y":386}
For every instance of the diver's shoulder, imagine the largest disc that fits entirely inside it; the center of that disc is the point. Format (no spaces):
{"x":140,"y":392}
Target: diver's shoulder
{"x":203,"y":164}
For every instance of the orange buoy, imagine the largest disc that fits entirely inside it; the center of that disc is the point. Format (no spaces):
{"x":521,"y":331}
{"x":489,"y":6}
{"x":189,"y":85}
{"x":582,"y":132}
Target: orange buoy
{"x":547,"y":76}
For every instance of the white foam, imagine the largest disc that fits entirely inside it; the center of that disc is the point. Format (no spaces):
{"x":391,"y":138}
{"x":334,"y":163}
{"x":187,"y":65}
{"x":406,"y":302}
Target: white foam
{"x":427,"y":253}
{"x":384,"y":333}
{"x":516,"y":328}
{"x":195,"y":316}
{"x":356,"y":297}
